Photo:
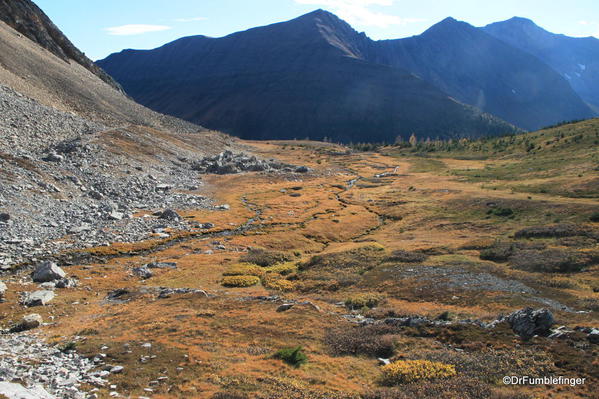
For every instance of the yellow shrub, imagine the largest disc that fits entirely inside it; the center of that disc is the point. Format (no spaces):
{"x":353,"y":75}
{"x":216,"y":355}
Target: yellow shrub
{"x":244,"y":269}
{"x":274,"y":283}
{"x":369,"y":300}
{"x":407,"y":371}
{"x":282,"y":268}
{"x":240,"y":281}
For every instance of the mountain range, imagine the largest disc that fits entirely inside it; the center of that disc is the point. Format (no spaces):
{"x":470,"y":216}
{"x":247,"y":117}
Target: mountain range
{"x":316,"y":77}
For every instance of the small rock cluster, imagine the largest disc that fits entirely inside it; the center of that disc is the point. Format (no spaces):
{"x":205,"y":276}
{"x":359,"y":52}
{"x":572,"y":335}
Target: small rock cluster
{"x":228,"y":162}
{"x":526,"y":323}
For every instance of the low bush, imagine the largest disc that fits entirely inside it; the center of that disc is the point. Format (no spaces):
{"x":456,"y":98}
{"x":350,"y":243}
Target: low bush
{"x":553,"y":231}
{"x":265,"y":258}
{"x":292,"y":356}
{"x":282,"y":269}
{"x":459,"y":387}
{"x":564,"y":282}
{"x":550,"y":261}
{"x":594,"y":217}
{"x":240,"y":281}
{"x":408,"y":371}
{"x":244,"y":269}
{"x":373,"y":341}
{"x":501,"y":251}
{"x":276,"y":283}
{"x":478,"y":244}
{"x":406,"y":256}
{"x":229,"y":395}
{"x":502,"y":212}
{"x":359,"y":259}
{"x":366,"y":300}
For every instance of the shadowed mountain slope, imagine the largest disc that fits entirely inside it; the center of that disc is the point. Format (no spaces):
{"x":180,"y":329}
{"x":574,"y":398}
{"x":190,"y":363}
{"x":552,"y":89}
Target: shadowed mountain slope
{"x":309,"y":77}
{"x":576,"y":59}
{"x":478,"y":69}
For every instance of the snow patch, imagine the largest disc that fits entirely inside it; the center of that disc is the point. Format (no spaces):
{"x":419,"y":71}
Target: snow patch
{"x":514,"y":91}
{"x":567,"y":76}
{"x":582,"y":67}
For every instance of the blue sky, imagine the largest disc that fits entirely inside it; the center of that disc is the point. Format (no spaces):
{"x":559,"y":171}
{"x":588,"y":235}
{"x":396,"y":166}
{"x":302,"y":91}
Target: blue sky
{"x":100,"y":28}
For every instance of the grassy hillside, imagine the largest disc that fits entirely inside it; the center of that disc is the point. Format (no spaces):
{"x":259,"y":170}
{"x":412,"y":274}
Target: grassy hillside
{"x":561,"y":160}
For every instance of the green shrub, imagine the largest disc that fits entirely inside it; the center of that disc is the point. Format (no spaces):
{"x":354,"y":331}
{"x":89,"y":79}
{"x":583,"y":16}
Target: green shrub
{"x":502,"y":212}
{"x":265,"y":258}
{"x":594,"y":217}
{"x":292,"y":356}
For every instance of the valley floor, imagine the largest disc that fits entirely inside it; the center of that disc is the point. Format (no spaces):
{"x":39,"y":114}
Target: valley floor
{"x":350,"y":249}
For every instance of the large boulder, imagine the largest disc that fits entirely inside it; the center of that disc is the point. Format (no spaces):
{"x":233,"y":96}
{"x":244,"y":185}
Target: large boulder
{"x":529,"y":322}
{"x":38,"y":298}
{"x":3,"y":289}
{"x":48,"y":271}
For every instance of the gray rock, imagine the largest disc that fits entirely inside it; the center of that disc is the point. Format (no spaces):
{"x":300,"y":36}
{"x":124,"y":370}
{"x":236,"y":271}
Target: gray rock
{"x":114,"y":215}
{"x":170,"y":214}
{"x":162,"y":265}
{"x":53,"y":157}
{"x":529,"y":322}
{"x":4,"y":217}
{"x":66,"y":283}
{"x":79,"y":229}
{"x":163,"y":187}
{"x":143,"y":272}
{"x":302,"y":169}
{"x":47,"y":271}
{"x":284,"y":307}
{"x":3,"y":289}
{"x":117,"y":369}
{"x":593,"y":336}
{"x":38,"y":298}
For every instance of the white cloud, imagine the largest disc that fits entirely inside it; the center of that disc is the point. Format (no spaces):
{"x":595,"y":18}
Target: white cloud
{"x":133,"y":29}
{"x":194,"y":19}
{"x":358,"y":12}
{"x":584,"y":22}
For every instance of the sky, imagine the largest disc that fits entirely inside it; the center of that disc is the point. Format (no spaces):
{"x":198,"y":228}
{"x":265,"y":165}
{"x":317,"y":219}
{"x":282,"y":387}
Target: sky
{"x":100,"y":28}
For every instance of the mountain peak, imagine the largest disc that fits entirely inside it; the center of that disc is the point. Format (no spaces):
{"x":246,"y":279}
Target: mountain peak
{"x":449,"y":25}
{"x":521,"y":21}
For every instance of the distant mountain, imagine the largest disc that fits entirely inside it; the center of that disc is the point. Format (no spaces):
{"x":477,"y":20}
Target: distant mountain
{"x":577,"y":59}
{"x":313,"y":76}
{"x":478,"y":69}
